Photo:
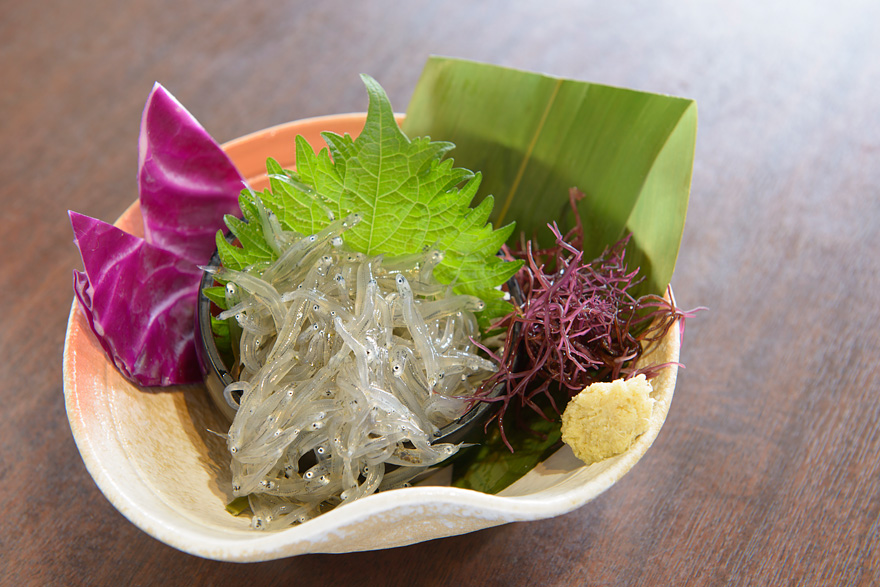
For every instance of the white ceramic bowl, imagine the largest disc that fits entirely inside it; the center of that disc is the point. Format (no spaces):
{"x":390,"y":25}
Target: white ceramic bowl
{"x":152,"y":454}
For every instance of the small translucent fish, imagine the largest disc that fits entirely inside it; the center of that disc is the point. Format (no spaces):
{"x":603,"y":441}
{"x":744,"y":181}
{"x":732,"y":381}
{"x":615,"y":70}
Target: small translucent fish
{"x":349,"y":363}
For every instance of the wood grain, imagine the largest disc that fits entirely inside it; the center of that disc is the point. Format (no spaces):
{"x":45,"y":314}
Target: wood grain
{"x":767,"y":470}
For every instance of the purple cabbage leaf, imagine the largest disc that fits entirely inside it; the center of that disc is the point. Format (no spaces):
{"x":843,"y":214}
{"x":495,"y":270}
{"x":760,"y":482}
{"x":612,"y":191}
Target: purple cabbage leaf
{"x":139,"y":295}
{"x":186,"y":182}
{"x":140,"y":302}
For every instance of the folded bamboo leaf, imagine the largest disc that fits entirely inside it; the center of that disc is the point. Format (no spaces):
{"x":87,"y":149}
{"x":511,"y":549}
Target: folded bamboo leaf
{"x":534,"y":136}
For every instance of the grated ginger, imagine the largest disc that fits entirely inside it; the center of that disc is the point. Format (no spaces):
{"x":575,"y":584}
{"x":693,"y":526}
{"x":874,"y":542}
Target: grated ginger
{"x":604,"y":419}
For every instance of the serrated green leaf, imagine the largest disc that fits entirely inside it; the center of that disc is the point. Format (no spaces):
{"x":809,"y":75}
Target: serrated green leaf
{"x":535,"y":136}
{"x":408,"y":196}
{"x":220,"y":328}
{"x":297,"y":204}
{"x":217,"y":294}
{"x":231,"y":256}
{"x":223,"y":339}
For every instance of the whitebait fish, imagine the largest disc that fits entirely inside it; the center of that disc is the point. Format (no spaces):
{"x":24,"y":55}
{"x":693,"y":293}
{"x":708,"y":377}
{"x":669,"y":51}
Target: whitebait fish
{"x":350,"y":366}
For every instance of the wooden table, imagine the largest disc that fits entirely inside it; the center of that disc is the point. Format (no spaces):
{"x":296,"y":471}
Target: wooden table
{"x":766,"y":471}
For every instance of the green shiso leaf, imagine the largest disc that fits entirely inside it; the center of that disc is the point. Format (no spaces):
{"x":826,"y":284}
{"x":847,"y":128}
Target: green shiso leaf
{"x":535,"y":136}
{"x":409,"y":197}
{"x":217,"y":294}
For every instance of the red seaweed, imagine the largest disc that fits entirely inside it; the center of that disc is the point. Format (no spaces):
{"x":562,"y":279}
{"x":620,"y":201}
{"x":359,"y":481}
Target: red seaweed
{"x":580,"y":323}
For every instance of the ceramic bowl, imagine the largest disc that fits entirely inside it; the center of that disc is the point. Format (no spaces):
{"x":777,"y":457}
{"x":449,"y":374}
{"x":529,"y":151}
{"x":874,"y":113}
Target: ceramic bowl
{"x":153,"y":455}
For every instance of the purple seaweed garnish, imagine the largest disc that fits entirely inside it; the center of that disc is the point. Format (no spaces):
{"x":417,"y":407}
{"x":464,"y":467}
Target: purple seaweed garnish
{"x":580,"y":323}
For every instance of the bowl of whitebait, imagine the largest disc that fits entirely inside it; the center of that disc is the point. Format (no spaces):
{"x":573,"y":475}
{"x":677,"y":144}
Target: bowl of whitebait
{"x":171,"y":461}
{"x":330,"y":295}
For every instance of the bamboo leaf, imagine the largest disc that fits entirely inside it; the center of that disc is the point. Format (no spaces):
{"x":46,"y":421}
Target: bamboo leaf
{"x":534,"y":136}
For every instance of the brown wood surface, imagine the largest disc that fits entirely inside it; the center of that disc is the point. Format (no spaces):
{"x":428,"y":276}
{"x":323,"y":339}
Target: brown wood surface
{"x":766,"y":471}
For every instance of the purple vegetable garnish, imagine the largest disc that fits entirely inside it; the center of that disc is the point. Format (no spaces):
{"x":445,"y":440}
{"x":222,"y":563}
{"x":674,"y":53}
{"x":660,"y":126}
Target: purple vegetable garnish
{"x":140,"y":302}
{"x":139,"y":295}
{"x":185,"y":180}
{"x":580,"y":322}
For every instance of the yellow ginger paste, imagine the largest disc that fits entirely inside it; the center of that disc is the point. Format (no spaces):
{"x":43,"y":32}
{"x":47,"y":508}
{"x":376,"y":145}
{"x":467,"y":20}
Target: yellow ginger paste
{"x":604,"y":419}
